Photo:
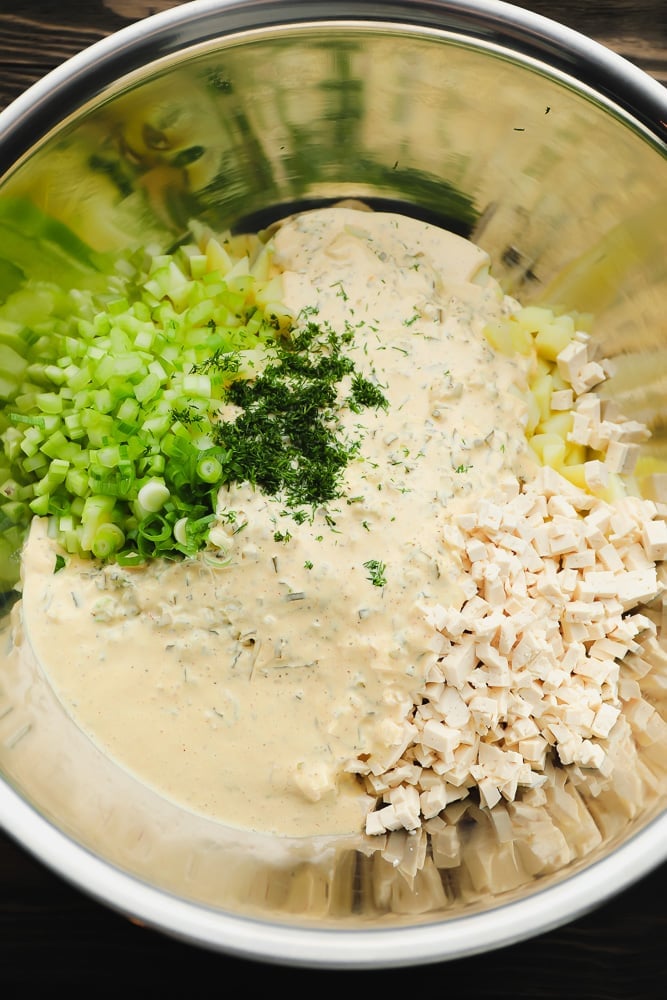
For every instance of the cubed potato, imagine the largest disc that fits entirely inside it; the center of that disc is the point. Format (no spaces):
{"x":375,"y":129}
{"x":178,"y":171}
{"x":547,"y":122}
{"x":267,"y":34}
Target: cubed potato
{"x":541,"y":388}
{"x":499,"y":337}
{"x":552,"y":337}
{"x":557,"y":423}
{"x":217,"y":257}
{"x":549,"y":448}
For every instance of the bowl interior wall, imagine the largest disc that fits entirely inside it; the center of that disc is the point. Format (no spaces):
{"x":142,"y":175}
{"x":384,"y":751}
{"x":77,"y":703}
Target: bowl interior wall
{"x":566,"y":194}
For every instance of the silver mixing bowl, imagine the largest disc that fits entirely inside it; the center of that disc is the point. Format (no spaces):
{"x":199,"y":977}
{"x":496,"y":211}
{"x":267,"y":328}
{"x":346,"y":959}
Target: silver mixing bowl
{"x":543,"y":147}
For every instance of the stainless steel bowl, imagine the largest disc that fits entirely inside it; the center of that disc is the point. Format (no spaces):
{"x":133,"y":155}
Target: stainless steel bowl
{"x":543,"y":147}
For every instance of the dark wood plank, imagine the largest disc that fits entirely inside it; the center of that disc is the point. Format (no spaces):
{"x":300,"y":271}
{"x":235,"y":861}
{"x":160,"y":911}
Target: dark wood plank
{"x":36,"y":36}
{"x":52,"y":934}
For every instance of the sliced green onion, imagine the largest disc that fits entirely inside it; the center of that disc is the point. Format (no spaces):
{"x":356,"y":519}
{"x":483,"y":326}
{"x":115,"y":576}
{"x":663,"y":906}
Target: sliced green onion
{"x":107,"y":540}
{"x":108,"y":396}
{"x":153,"y":495}
{"x":209,"y":470}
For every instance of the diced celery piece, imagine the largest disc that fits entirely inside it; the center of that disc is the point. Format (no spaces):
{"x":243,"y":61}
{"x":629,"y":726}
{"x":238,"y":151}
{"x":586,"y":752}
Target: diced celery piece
{"x":118,"y":306}
{"x":105,"y":369}
{"x":58,"y":470}
{"x":40,"y":505}
{"x":31,"y":443}
{"x":198,"y":265}
{"x":147,"y":388}
{"x":10,"y":489}
{"x":101,"y":324}
{"x":77,"y":482}
{"x":12,"y":368}
{"x":156,"y":369}
{"x":144,"y":339}
{"x":97,"y":510}
{"x":73,"y":423}
{"x":128,"y":409}
{"x":36,"y":464}
{"x":107,"y":540}
{"x":55,"y":374}
{"x":197,"y":385}
{"x":201,"y":313}
{"x":79,"y":439}
{"x":109,"y":456}
{"x":142,"y":311}
{"x":49,"y":402}
{"x":10,"y":333}
{"x":14,"y":511}
{"x":103,"y":400}
{"x":55,"y":445}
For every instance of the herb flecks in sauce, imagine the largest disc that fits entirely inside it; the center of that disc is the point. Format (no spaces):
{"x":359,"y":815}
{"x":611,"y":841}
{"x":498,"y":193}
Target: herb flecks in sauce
{"x":287,"y":440}
{"x":376,"y":572}
{"x":281,"y":757}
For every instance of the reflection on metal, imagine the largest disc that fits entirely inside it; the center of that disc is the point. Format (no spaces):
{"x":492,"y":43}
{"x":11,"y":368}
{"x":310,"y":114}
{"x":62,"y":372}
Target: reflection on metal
{"x":258,"y":126}
{"x":567,"y":194}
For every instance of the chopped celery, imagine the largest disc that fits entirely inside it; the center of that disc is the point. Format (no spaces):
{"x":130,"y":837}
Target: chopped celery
{"x":110,"y":381}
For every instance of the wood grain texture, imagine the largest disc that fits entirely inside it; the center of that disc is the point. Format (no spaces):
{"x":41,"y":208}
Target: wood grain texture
{"x":51,"y":934}
{"x":36,"y":35}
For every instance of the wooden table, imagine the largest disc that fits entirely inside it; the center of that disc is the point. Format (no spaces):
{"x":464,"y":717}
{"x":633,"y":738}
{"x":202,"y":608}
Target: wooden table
{"x":51,"y":934}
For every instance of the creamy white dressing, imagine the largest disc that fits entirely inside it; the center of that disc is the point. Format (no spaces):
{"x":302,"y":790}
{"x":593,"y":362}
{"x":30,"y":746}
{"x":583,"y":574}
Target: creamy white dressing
{"x":245,"y":683}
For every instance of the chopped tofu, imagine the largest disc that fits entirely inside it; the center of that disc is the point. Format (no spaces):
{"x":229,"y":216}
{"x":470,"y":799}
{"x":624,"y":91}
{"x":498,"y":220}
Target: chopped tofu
{"x":554,"y":572}
{"x":529,"y":664}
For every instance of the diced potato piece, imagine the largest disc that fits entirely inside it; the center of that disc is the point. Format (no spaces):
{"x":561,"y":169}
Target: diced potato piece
{"x":522,"y":340}
{"x":549,"y":448}
{"x":218,"y":258}
{"x":261,"y":265}
{"x":576,"y":454}
{"x":239,"y":268}
{"x":649,"y":465}
{"x":509,"y":337}
{"x":269,"y":297}
{"x":558,"y":381}
{"x":532,"y":414}
{"x":499,"y":337}
{"x":554,"y":336}
{"x":245,"y":245}
{"x":557,"y":423}
{"x":615,"y":489}
{"x":534,"y":318}
{"x":576,"y":474}
{"x":541,"y":388}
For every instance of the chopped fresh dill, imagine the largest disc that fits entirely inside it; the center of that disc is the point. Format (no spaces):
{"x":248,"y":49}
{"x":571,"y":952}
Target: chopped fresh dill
{"x":288,"y":440}
{"x":187,"y":415}
{"x":365,"y":394}
{"x":299,"y":516}
{"x":341,"y":291}
{"x":376,"y":572}
{"x":220,"y":361}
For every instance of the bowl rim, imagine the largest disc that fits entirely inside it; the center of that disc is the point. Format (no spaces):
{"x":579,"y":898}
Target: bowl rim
{"x":535,"y":36}
{"x":332,"y":948}
{"x":644,"y":100}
